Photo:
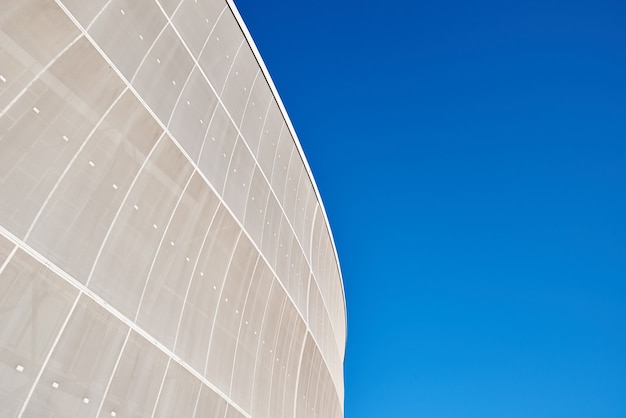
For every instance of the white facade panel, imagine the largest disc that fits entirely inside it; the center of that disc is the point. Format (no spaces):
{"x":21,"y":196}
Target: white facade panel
{"x":163,"y":247}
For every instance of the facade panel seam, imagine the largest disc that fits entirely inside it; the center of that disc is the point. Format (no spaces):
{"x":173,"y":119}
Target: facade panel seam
{"x":37,"y":76}
{"x":156,"y":401}
{"x":50,"y":351}
{"x":117,"y":362}
{"x":82,"y":289}
{"x":283,"y":110}
{"x":277,"y":98}
{"x":158,"y":249}
{"x":248,"y":39}
{"x":219,"y":301}
{"x":70,"y":164}
{"x":119,"y":209}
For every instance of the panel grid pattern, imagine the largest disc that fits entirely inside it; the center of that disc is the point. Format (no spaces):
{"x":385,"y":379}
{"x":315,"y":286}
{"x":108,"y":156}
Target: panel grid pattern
{"x":154,"y":199}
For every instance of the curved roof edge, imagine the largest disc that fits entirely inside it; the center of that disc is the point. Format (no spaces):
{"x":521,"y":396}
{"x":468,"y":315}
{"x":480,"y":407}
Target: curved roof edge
{"x":281,"y":106}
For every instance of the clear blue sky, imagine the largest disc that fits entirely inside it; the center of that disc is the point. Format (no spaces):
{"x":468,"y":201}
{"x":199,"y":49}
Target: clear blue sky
{"x":471,"y":156}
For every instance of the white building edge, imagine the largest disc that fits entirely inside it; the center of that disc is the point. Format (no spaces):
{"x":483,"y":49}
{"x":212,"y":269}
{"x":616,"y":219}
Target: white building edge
{"x":164,"y":251}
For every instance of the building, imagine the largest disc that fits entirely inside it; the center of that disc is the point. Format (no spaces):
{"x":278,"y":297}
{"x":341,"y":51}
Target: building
{"x":163,"y":248}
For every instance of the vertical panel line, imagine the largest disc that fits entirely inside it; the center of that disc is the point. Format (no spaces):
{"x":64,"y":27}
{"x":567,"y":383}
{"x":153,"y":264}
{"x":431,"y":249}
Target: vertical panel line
{"x":156,"y":401}
{"x":117,"y":362}
{"x":193,"y":273}
{"x":71,"y":164}
{"x":243,"y":310}
{"x":219,"y":301}
{"x":258,"y":344}
{"x":158,"y":250}
{"x":273,"y":353}
{"x":295,"y":401}
{"x":50,"y":351}
{"x":38,"y":75}
{"x":121,"y":206}
{"x":9,"y":257}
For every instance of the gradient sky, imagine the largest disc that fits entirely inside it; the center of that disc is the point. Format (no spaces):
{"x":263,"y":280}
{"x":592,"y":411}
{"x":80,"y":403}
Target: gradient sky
{"x":472,"y":160}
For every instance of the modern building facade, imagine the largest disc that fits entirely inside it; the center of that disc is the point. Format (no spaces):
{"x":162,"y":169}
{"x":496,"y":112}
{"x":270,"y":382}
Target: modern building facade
{"x":164,"y":251}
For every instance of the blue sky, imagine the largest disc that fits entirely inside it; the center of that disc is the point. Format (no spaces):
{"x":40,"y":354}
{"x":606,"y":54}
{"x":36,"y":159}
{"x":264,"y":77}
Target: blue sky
{"x":472,"y":160}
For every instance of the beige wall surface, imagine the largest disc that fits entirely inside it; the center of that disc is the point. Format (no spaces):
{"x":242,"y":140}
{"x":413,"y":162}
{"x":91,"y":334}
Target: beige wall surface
{"x":163,"y":248}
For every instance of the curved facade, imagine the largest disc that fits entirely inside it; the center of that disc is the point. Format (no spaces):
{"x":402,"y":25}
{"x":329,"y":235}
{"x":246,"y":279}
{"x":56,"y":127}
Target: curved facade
{"x":163,"y":248}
